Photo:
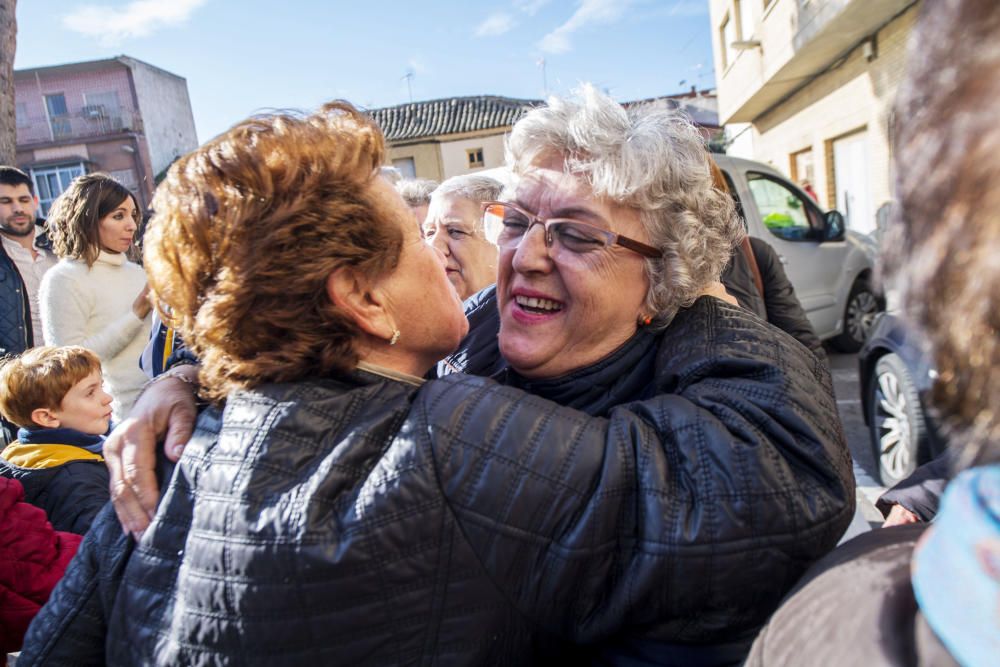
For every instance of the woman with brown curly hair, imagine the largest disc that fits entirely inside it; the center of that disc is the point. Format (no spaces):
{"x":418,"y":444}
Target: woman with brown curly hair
{"x":95,"y":297}
{"x":332,"y":508}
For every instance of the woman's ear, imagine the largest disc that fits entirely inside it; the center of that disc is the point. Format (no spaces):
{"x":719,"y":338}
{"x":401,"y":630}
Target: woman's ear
{"x":44,"y":418}
{"x":353,"y":293}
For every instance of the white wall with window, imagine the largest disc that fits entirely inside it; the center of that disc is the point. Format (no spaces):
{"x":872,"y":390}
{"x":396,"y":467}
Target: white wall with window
{"x":463,"y":156}
{"x":50,"y":182}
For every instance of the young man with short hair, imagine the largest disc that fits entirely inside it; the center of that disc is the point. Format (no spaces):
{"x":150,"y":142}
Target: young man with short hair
{"x":25,"y":256}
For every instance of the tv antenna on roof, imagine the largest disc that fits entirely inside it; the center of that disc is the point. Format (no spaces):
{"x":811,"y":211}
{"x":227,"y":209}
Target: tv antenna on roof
{"x":409,"y":77}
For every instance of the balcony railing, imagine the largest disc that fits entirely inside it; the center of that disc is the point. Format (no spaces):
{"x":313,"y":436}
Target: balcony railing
{"x":39,"y":130}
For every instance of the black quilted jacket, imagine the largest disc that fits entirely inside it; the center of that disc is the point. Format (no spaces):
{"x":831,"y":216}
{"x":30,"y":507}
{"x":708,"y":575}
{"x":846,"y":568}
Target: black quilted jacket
{"x":365,"y":521}
{"x":15,"y":316}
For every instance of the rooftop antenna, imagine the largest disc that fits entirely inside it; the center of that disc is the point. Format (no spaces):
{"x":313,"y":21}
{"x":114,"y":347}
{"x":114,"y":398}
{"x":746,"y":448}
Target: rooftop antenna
{"x":545,"y":80}
{"x":409,"y":90}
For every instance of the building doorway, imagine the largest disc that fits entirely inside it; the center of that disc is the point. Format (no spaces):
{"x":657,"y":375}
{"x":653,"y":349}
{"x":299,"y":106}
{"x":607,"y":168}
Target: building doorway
{"x":853,"y":181}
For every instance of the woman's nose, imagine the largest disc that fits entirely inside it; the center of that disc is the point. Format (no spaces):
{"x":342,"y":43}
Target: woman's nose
{"x":439,"y":254}
{"x":531,"y":253}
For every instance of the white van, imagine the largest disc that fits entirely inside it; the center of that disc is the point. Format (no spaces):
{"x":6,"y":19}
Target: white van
{"x":829,"y":266}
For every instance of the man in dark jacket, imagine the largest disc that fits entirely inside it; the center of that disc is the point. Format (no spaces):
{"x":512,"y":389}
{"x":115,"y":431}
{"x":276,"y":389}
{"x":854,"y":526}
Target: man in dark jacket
{"x":25,"y":256}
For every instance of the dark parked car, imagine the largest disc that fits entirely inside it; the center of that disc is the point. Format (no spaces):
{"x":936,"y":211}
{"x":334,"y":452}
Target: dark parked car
{"x":895,"y":377}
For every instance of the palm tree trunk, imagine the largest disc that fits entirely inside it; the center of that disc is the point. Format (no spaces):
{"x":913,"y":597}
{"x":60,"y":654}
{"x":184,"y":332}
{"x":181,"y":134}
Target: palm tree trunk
{"x":8,"y":46}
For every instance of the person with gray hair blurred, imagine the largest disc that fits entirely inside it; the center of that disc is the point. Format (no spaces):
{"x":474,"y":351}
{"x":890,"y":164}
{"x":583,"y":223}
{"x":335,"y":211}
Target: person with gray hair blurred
{"x":929,"y":594}
{"x":416,"y":192}
{"x":454,"y":225}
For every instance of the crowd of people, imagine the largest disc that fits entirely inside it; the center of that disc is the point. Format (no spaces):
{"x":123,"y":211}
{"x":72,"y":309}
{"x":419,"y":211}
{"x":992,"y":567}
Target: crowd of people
{"x":392,"y":422}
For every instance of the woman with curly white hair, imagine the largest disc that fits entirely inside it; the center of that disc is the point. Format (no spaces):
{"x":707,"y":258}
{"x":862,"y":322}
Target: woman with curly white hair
{"x":611,"y":244}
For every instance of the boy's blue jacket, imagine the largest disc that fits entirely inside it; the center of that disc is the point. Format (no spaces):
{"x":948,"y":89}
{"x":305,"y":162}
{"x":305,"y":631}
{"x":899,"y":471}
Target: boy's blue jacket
{"x":62,"y":471}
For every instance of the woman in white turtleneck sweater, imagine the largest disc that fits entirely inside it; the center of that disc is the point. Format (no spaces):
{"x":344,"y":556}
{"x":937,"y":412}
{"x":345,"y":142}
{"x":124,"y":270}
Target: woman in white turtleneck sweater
{"x":94,"y":296}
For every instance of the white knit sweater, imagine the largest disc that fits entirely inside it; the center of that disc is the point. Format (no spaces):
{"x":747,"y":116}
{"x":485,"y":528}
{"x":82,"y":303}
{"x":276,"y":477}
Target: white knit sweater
{"x":92,"y":307}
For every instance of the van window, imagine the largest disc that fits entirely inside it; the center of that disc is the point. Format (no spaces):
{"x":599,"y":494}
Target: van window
{"x":784,"y":212}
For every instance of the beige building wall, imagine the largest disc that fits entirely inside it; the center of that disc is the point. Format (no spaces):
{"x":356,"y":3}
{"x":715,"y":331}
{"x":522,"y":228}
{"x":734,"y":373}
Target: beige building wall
{"x":858,"y":95}
{"x":455,"y":158}
{"x":426,"y":158}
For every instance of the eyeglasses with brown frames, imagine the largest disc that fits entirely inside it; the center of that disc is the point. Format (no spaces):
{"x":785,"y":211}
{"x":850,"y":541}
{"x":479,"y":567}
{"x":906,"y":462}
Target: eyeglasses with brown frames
{"x":575,"y":236}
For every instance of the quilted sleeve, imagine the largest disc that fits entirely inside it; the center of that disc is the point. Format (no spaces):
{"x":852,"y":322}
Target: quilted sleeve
{"x":75,"y":495}
{"x":689,"y":514}
{"x":71,"y":628}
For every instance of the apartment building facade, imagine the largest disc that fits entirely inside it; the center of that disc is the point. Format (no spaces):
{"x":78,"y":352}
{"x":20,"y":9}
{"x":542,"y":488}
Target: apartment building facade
{"x":438,"y":139}
{"x":119,"y":115}
{"x":808,"y":86}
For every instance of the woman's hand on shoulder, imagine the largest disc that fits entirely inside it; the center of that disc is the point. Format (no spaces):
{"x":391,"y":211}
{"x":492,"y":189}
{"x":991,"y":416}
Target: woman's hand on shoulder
{"x":166,"y":411}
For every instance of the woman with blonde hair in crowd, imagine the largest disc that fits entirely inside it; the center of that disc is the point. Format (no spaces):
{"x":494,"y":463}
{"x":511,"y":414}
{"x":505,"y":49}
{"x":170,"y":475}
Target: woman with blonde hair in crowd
{"x":95,"y":297}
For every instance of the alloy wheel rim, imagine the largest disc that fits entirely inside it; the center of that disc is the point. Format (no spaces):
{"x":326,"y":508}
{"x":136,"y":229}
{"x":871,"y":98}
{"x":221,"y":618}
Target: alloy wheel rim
{"x":893,"y":426}
{"x":861,"y":313}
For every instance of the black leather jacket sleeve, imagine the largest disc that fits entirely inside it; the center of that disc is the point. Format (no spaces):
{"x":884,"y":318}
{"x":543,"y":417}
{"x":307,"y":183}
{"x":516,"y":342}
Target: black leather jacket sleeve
{"x":706,"y":501}
{"x":783,"y":308}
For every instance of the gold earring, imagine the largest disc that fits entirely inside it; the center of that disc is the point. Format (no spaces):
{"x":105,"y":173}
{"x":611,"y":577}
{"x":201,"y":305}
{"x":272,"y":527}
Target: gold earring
{"x":644,"y":320}
{"x":395,"y":337}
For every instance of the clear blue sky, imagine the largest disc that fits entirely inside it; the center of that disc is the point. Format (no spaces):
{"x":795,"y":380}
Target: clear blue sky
{"x":240,"y":56}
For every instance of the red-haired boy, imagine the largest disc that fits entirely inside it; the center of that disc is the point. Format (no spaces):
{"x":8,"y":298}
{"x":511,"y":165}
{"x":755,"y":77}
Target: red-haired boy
{"x":56,"y":396}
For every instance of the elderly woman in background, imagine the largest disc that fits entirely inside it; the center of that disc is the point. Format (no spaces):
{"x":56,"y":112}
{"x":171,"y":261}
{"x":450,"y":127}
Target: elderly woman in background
{"x":919,"y":594}
{"x":607,"y":247}
{"x":416,"y":192}
{"x":454,"y":225}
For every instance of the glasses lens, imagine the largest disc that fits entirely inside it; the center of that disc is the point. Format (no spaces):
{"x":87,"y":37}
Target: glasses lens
{"x":513,"y":224}
{"x":577,"y":237}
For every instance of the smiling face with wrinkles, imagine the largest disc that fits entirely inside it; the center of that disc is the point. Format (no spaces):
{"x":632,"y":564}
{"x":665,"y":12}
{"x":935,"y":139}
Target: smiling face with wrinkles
{"x":556,"y":318}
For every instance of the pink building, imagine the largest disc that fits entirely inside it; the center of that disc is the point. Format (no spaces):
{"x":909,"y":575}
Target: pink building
{"x":119,"y":115}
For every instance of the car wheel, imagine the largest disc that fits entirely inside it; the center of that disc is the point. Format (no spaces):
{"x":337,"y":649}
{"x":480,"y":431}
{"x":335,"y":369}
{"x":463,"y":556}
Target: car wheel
{"x":859,"y":315}
{"x":898,"y":430}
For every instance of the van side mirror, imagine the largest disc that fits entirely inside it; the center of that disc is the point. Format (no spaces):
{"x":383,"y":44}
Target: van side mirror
{"x":834,"y":230}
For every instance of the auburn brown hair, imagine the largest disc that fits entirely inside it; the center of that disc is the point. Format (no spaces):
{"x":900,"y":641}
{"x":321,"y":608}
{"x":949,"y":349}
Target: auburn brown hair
{"x":248,"y":228}
{"x":942,"y":251}
{"x":40,"y":378}
{"x":74,"y":221}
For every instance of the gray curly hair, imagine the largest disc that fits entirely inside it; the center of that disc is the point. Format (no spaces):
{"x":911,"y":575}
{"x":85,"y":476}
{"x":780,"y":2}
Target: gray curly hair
{"x":416,"y":191}
{"x":649,"y":157}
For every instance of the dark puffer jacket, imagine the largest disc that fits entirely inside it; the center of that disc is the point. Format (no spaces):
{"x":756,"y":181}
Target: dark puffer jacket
{"x":365,"y":522}
{"x":15,"y":316}
{"x":63,"y":472}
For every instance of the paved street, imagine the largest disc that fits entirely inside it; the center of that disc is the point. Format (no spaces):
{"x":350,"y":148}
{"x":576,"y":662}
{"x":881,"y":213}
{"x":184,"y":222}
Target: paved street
{"x":847,"y":387}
